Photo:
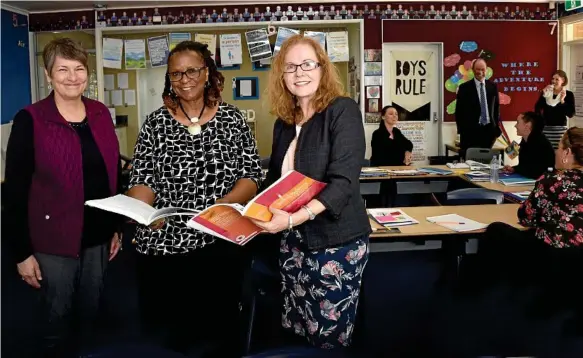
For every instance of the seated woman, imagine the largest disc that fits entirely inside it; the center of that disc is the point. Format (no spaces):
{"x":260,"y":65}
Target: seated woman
{"x":389,"y":146}
{"x":554,"y":214}
{"x":536,"y":153}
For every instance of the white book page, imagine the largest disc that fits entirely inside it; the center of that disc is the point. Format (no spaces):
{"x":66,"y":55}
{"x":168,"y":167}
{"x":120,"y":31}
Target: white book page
{"x":456,"y":222}
{"x":126,"y":206}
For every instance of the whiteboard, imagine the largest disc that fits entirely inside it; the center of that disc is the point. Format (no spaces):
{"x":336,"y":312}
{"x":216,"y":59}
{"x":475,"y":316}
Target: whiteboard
{"x":150,"y":87}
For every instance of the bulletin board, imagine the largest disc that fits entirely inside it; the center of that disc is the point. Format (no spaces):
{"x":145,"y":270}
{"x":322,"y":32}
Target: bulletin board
{"x":521,"y":56}
{"x":149,"y":83}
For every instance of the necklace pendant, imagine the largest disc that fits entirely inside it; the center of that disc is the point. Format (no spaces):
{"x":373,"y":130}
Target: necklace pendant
{"x":194,"y":129}
{"x":194,"y":120}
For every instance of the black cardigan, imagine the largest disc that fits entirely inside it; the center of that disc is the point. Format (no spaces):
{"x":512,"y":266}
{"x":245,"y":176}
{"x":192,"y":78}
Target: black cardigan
{"x":387,"y":151}
{"x":535,"y":156}
{"x":557,"y":115}
{"x":330,"y":148}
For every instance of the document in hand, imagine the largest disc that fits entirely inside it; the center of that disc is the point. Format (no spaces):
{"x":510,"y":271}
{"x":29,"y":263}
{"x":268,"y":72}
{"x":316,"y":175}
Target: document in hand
{"x":136,"y":209}
{"x":456,"y":222}
{"x":231,"y":221}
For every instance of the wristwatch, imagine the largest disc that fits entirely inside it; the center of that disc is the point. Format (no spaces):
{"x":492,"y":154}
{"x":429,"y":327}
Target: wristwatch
{"x":310,"y":213}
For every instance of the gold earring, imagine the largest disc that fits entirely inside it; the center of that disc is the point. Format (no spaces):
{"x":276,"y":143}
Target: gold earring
{"x":564,"y":160}
{"x":50,"y":86}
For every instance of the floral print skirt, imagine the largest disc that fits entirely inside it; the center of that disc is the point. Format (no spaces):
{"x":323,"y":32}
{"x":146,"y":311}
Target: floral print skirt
{"x":320,"y":289}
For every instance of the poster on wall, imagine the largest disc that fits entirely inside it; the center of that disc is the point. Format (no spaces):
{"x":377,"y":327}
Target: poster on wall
{"x":158,"y":50}
{"x":112,"y":53}
{"x":409,"y":84}
{"x":135,"y":54}
{"x":174,"y":38}
{"x":337,"y":43}
{"x":258,"y":44}
{"x":231,"y":49}
{"x":283,"y":33}
{"x":318,"y":36}
{"x":417,"y":134}
{"x":208,"y":39}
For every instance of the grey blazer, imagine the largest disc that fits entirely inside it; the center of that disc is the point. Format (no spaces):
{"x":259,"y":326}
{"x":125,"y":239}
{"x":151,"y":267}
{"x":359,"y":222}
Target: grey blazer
{"x":330,"y":148}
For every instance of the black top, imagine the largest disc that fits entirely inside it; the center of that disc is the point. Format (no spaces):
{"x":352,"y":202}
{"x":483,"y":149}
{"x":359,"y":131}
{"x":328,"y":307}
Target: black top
{"x":330,"y":148}
{"x":387,"y":151}
{"x":535,"y":156}
{"x":557,"y":115}
{"x":98,"y":226}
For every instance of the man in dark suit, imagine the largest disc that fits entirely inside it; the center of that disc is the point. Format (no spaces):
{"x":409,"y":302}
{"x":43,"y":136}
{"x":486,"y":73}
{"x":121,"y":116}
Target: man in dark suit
{"x":477,"y":112}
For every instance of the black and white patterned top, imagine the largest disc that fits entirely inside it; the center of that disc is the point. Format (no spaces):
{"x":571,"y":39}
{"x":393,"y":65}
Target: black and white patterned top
{"x":190,"y":171}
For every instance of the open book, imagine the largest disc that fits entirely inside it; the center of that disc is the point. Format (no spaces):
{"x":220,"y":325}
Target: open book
{"x":231,"y":221}
{"x":136,"y":209}
{"x":391,"y":217}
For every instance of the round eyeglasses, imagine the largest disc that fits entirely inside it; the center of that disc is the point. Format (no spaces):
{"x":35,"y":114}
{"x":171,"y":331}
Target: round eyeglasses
{"x":305,"y":66}
{"x":192,"y":73}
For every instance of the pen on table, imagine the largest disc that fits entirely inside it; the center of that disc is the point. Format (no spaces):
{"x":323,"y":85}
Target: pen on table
{"x":450,"y":223}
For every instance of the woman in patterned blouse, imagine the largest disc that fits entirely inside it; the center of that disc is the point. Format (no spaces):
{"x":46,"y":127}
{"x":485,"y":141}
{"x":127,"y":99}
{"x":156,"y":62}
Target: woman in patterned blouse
{"x":193,"y":152}
{"x":554,"y":214}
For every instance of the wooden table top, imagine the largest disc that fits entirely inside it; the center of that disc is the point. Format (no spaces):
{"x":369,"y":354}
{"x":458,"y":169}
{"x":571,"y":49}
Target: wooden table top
{"x":455,"y":173}
{"x":486,"y":214}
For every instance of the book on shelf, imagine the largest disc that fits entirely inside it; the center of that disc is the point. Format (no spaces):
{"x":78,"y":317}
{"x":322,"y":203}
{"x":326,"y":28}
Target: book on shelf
{"x":137,"y":210}
{"x":456,"y":223}
{"x":391,"y":217}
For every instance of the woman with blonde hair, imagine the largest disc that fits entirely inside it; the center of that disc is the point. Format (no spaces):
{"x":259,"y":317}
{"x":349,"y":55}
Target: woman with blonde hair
{"x":324,"y":245}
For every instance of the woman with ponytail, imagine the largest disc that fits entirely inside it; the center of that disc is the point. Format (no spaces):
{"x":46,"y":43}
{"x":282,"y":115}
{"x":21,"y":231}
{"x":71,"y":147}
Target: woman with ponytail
{"x":191,"y":153}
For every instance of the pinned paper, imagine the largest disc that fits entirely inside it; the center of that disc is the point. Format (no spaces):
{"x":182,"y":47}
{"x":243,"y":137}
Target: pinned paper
{"x":116,"y":98}
{"x":108,"y":82}
{"x":245,"y":89}
{"x":122,"y":80}
{"x":130,"y":97}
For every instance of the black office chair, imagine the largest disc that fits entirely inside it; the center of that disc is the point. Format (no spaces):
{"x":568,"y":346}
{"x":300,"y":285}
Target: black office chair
{"x":480,"y":155}
{"x":470,"y":196}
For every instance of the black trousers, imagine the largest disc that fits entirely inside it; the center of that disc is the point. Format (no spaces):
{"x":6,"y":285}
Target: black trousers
{"x":192,"y":300}
{"x":70,"y":295}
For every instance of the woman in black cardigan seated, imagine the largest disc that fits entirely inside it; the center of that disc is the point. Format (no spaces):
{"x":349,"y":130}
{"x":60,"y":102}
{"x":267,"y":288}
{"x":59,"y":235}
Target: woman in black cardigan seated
{"x":389,"y":146}
{"x":536,"y":154}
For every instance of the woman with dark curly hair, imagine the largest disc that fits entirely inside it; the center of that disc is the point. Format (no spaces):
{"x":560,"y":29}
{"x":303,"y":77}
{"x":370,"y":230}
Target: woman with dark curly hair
{"x":191,"y":153}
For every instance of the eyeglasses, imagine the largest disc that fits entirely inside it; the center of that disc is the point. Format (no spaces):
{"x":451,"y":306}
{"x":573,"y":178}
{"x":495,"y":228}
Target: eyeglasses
{"x":192,"y":73}
{"x":305,"y":66}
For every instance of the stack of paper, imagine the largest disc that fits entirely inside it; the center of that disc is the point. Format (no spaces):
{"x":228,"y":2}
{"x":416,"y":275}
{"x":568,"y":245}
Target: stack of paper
{"x":436,"y":171}
{"x":477,"y":165}
{"x":406,"y":172}
{"x":373,"y":172}
{"x":519,"y":196}
{"x":458,"y":166}
{"x":391,"y":217}
{"x":456,"y":222}
{"x":515,"y":179}
{"x":476,"y":176}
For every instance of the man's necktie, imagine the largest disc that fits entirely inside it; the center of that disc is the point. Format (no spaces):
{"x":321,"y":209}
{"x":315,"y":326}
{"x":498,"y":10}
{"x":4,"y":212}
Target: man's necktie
{"x":483,"y":111}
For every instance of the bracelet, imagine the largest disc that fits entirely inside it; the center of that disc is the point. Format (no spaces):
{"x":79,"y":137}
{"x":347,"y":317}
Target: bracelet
{"x":310,"y":213}
{"x":290,"y":222}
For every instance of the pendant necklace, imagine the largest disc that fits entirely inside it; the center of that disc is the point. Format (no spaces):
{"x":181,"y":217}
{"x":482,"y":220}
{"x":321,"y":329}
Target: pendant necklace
{"x":194,"y":127}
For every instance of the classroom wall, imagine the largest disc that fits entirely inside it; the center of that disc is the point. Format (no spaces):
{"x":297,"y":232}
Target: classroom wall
{"x":155,"y":84}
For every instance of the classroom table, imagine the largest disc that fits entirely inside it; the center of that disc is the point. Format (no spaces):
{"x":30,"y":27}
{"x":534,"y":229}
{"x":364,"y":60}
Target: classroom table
{"x":456,"y":173}
{"x":486,"y":214}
